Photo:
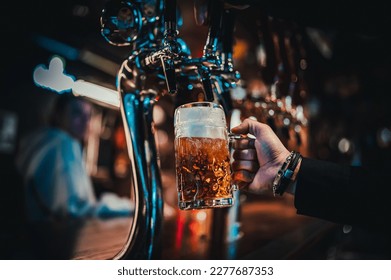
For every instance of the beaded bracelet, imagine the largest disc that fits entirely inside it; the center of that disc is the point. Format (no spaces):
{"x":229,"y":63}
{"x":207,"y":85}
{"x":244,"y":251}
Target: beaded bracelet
{"x":283,"y":178}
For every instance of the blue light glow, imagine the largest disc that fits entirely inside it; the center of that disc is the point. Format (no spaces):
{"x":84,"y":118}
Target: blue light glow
{"x":55,"y":46}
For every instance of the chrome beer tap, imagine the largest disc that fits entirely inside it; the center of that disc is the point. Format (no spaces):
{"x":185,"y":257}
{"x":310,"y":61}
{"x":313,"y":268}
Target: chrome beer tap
{"x":126,"y":23}
{"x":158,"y":60}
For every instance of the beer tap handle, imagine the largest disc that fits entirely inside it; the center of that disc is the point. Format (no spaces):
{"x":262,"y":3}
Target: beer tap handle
{"x":170,"y":27}
{"x":228,"y":27}
{"x":170,"y":37}
{"x":206,"y":82}
{"x":169,"y":73}
{"x":212,"y":44}
{"x":170,"y":50}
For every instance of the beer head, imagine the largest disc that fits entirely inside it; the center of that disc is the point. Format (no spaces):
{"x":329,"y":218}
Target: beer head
{"x":200,"y":119}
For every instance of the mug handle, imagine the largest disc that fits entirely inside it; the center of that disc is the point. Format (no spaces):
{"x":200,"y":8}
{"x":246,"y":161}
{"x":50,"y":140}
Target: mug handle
{"x":231,"y":138}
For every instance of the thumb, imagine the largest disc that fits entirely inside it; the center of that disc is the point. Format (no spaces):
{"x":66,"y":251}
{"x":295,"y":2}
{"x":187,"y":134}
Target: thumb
{"x":242,"y":128}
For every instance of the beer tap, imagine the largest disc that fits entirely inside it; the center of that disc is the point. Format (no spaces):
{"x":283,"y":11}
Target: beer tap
{"x":171,"y":49}
{"x":225,"y":76}
{"x":158,"y":60}
{"x":218,"y":55}
{"x":138,"y":92}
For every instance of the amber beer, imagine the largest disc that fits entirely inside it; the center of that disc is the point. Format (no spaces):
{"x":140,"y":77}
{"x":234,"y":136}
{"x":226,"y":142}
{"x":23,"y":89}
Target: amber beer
{"x":203,"y":171}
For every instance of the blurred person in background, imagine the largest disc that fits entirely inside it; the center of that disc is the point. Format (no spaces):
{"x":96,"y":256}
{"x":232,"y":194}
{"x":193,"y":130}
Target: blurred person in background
{"x":51,"y":162}
{"x":59,"y":193}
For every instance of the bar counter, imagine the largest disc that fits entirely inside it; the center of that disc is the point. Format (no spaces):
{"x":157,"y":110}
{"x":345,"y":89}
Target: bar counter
{"x":269,"y":229}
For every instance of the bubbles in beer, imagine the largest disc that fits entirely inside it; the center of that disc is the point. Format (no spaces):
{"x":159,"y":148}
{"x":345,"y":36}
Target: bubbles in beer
{"x":202,"y":168}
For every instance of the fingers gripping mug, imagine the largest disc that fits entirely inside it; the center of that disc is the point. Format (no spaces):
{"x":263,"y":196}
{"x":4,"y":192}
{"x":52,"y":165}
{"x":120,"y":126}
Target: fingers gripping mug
{"x":203,"y":171}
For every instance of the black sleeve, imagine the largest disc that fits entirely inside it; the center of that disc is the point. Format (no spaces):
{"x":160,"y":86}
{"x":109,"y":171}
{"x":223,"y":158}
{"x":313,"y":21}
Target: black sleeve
{"x":344,"y":194}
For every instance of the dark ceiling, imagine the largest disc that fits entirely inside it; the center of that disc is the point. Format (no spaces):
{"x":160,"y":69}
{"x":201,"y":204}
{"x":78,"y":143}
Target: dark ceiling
{"x":76,"y":23}
{"x":40,"y":29}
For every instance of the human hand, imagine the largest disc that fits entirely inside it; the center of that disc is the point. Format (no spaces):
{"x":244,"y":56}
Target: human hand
{"x":257,"y":161}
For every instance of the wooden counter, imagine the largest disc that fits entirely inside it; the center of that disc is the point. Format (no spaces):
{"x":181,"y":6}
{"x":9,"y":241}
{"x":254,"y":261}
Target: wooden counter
{"x":101,"y":239}
{"x":269,"y":229}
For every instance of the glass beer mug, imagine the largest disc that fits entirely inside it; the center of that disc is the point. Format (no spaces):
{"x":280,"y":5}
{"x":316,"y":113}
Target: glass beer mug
{"x":203,"y":171}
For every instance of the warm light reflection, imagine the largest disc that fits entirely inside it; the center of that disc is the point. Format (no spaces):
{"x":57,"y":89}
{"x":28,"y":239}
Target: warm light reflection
{"x":96,"y":92}
{"x":192,"y":232}
{"x":159,"y":116}
{"x":201,"y":216}
{"x":240,"y":49}
{"x":344,"y":145}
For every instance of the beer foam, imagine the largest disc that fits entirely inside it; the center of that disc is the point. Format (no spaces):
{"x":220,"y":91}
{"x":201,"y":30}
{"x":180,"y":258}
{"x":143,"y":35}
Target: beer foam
{"x":201,"y":130}
{"x":200,"y":116}
{"x":200,"y":119}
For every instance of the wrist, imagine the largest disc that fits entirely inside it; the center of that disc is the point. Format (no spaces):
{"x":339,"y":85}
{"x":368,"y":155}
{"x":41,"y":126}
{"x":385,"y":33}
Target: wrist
{"x":292,"y":187}
{"x":287,"y":174}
